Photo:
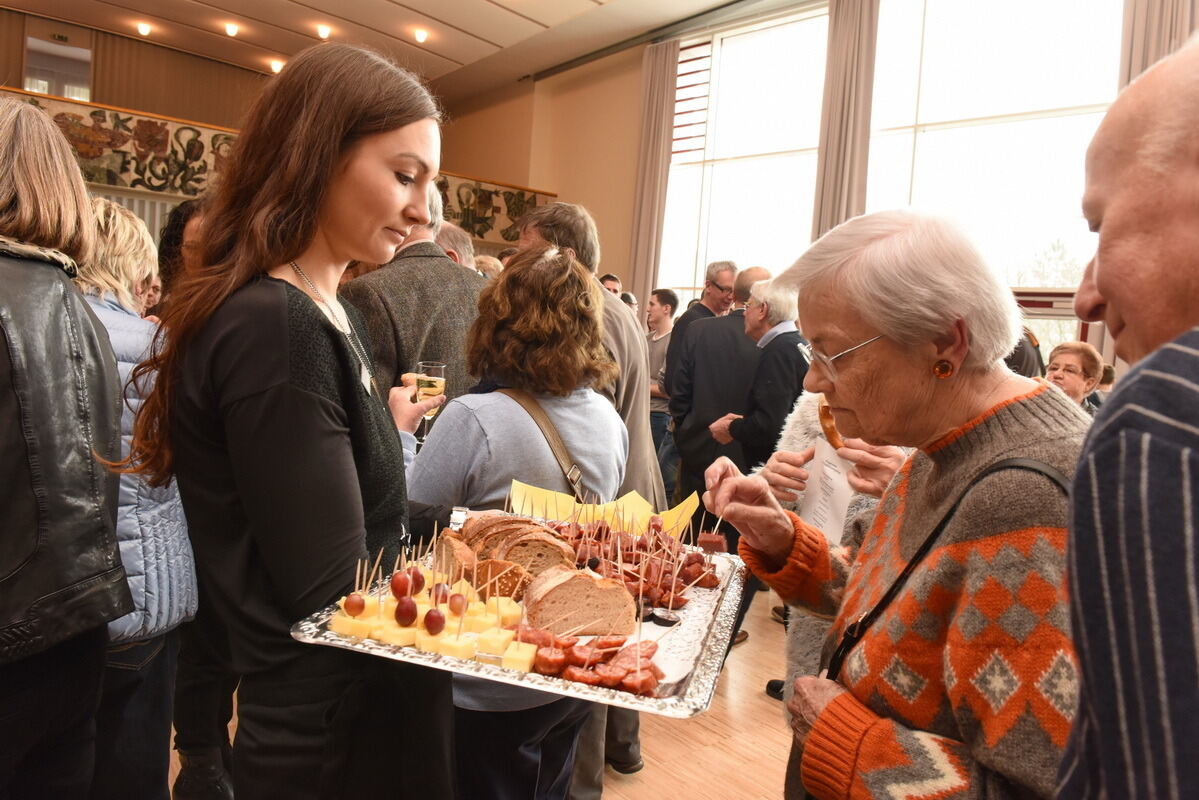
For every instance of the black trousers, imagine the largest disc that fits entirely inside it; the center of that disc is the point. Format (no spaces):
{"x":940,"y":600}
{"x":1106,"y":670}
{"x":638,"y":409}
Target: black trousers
{"x":133,"y":724}
{"x":48,"y":707}
{"x":204,"y":685}
{"x":518,"y":755}
{"x":334,"y":724}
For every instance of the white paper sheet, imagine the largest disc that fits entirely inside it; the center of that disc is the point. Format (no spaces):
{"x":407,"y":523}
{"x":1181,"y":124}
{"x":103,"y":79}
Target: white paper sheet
{"x":826,"y":500}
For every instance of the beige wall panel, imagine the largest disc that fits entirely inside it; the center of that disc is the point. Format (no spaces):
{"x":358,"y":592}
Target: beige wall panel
{"x":143,"y":77}
{"x":489,"y":137}
{"x":586,"y":132}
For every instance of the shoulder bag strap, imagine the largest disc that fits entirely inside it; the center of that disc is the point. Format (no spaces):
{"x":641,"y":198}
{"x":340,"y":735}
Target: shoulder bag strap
{"x":574,"y":475}
{"x":857,"y":629}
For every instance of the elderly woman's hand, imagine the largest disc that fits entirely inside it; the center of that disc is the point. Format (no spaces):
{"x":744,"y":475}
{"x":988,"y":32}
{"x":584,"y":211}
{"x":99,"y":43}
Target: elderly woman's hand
{"x":812,"y":695}
{"x":405,"y":411}
{"x":874,"y":465}
{"x":785,"y":473}
{"x":748,"y":505}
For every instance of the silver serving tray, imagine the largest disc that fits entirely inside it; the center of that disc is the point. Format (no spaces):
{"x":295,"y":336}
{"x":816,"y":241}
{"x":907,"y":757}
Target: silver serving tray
{"x":693,"y":655}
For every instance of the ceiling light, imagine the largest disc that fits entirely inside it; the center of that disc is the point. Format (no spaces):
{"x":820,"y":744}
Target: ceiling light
{"x":323,"y":31}
{"x":231,"y":28}
{"x":276,"y":65}
{"x":420,"y":34}
{"x":143,"y":28}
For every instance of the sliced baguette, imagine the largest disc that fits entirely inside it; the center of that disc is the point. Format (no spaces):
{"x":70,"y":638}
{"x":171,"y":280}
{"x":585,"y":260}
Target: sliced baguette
{"x":601,"y":605}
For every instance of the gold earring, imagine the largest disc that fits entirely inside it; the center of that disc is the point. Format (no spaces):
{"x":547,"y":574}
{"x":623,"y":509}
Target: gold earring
{"x":943,"y":369}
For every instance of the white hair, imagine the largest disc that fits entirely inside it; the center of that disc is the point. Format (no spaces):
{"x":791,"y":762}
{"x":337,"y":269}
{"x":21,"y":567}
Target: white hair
{"x":436,"y":208}
{"x":717,"y":267}
{"x":913,"y":275}
{"x":781,"y":300}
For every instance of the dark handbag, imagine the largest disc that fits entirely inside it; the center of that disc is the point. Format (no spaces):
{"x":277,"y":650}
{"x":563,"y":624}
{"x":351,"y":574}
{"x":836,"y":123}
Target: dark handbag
{"x":857,"y":629}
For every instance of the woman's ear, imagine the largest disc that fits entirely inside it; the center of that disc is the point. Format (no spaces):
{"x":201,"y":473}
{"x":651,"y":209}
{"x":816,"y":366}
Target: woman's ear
{"x":954,"y":344}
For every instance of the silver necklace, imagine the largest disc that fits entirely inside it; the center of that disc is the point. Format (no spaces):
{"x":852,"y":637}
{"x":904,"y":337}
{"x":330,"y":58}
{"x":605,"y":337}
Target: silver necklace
{"x":368,"y":373}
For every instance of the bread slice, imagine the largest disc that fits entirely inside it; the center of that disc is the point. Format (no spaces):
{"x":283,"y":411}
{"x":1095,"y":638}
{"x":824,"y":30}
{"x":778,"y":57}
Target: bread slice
{"x":513,"y":579}
{"x":476,"y":527}
{"x":537,"y":551}
{"x":453,"y":557}
{"x":486,"y":545}
{"x":563,"y":598}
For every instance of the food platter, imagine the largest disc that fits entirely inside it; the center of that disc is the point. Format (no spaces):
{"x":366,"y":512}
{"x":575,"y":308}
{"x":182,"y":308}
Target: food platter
{"x":690,"y":654}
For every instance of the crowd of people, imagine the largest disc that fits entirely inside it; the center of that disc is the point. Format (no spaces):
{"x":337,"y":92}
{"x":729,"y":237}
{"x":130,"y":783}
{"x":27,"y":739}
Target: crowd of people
{"x":204,"y":438}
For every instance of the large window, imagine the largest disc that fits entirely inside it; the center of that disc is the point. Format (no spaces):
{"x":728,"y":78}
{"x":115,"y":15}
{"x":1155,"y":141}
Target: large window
{"x":743,"y":172}
{"x":982,"y":111}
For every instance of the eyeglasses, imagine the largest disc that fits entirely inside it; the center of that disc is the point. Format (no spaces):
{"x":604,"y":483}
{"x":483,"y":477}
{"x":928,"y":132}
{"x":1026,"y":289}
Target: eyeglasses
{"x":723,"y":289}
{"x":826,"y":362}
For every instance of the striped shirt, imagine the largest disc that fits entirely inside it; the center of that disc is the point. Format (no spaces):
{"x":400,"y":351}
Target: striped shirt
{"x":1134,"y":587}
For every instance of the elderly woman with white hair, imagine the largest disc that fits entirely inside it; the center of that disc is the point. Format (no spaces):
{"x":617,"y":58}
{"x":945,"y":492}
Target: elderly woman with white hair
{"x":950,"y":665}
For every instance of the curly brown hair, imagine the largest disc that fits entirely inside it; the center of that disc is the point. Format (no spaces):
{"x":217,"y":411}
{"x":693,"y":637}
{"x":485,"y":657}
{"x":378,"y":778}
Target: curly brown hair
{"x":540,"y":326}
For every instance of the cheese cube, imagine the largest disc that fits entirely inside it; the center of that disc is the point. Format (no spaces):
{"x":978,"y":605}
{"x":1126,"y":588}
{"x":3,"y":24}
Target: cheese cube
{"x":391,"y":633}
{"x":463,"y":587}
{"x":495,"y":640}
{"x":478,"y":624}
{"x":476,"y":608}
{"x":353,"y":626}
{"x":519,"y":656}
{"x":510,"y":612}
{"x":428,"y":642}
{"x":459,"y":646}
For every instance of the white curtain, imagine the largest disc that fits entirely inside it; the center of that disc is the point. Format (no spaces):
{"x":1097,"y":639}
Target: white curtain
{"x":659,"y":72}
{"x":845,"y":118}
{"x":1152,"y":30}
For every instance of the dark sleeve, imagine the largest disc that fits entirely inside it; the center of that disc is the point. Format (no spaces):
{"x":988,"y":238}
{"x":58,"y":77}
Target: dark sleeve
{"x":777,"y":383}
{"x":380,"y":330}
{"x":674,"y":351}
{"x":295,"y":474}
{"x":1134,"y":614}
{"x":684,"y":379}
{"x":424,"y":519}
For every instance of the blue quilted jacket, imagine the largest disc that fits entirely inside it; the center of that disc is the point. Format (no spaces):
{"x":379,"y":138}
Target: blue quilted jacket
{"x":151,"y":529}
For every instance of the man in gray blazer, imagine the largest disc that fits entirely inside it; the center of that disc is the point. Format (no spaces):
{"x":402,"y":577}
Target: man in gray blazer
{"x":419,"y":307}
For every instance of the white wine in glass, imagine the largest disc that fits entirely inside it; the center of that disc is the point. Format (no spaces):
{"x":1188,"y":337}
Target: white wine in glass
{"x":430,"y":382}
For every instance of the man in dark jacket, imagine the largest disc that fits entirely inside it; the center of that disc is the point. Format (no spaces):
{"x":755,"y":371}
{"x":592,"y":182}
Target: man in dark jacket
{"x":778,"y":381}
{"x":419,"y":307}
{"x":61,"y":578}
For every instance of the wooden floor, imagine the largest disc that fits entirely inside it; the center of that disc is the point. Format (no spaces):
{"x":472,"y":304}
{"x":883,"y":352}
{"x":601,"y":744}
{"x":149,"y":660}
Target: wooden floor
{"x":737,"y":749}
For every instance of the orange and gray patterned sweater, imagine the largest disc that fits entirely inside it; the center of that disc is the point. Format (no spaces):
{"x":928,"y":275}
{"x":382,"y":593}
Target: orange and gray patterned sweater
{"x":966,"y":686}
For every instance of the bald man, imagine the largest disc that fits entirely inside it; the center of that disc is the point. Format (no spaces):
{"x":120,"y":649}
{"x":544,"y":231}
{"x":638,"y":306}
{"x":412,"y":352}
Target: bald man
{"x":1133,"y":552}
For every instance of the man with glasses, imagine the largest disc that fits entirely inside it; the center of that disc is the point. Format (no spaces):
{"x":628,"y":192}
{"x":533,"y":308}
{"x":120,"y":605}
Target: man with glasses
{"x":716,"y":300}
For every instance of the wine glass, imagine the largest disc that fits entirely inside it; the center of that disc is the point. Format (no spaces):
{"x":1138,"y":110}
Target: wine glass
{"x":430,"y":382}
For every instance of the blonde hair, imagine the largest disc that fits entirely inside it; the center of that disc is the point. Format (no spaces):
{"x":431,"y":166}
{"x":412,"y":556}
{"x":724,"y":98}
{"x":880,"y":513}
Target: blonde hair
{"x":43,"y":200}
{"x":124,"y":259}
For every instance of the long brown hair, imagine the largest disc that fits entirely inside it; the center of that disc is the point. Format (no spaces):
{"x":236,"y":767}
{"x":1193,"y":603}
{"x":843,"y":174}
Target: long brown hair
{"x":265,"y":209}
{"x":540,"y":326}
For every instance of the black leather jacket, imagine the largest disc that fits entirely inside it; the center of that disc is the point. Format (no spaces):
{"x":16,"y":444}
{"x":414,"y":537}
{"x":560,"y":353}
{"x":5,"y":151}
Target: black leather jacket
{"x":60,"y":570}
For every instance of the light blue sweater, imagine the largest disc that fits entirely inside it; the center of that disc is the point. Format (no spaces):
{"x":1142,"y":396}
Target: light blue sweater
{"x":483,"y":441}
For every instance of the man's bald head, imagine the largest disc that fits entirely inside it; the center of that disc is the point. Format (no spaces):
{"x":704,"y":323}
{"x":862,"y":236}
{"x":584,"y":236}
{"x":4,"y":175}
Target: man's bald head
{"x":746,"y":278}
{"x":1142,"y":197}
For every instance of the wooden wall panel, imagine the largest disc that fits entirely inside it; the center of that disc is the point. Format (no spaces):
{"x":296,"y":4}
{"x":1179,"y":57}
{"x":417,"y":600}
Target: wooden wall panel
{"x":12,"y":48}
{"x":144,"y":77}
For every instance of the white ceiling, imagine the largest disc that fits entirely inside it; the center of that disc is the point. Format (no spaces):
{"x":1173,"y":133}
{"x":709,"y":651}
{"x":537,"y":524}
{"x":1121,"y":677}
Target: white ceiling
{"x":473,"y":45}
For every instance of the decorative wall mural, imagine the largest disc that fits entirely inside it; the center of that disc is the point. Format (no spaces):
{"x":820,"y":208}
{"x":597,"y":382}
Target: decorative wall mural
{"x":156,"y":154}
{"x":121,"y":148}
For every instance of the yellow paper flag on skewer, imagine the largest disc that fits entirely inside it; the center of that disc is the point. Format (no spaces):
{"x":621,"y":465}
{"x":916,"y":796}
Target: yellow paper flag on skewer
{"x":534,"y":501}
{"x":675,"y":520}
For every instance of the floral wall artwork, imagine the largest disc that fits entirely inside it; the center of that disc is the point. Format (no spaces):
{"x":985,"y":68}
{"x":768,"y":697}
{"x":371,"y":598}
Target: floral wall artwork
{"x":157,"y":154}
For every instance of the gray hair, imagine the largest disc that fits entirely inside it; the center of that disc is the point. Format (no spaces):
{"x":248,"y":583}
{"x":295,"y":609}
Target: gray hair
{"x":913,"y":275}
{"x":451,"y":237}
{"x":716,"y":267}
{"x":781,"y":300}
{"x":436,"y":208}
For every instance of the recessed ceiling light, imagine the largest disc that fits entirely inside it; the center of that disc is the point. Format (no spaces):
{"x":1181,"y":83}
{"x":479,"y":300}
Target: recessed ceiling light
{"x":420,"y":34}
{"x":143,"y":28}
{"x":231,"y":28}
{"x":323,"y":31}
{"x":276,"y":65}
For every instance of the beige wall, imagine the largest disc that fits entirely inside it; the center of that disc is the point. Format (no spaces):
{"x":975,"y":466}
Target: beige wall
{"x":575,"y":134}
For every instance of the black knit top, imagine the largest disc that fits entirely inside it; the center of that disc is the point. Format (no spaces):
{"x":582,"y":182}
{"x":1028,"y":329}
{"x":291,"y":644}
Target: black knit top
{"x":288,"y":468}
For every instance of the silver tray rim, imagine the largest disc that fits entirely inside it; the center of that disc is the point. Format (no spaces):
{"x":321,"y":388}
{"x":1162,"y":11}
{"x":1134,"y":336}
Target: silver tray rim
{"x":693,"y":695}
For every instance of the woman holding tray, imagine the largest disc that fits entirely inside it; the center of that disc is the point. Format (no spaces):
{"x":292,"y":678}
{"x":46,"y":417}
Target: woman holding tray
{"x":949,"y":661}
{"x":287,"y":459}
{"x":538,"y":333}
